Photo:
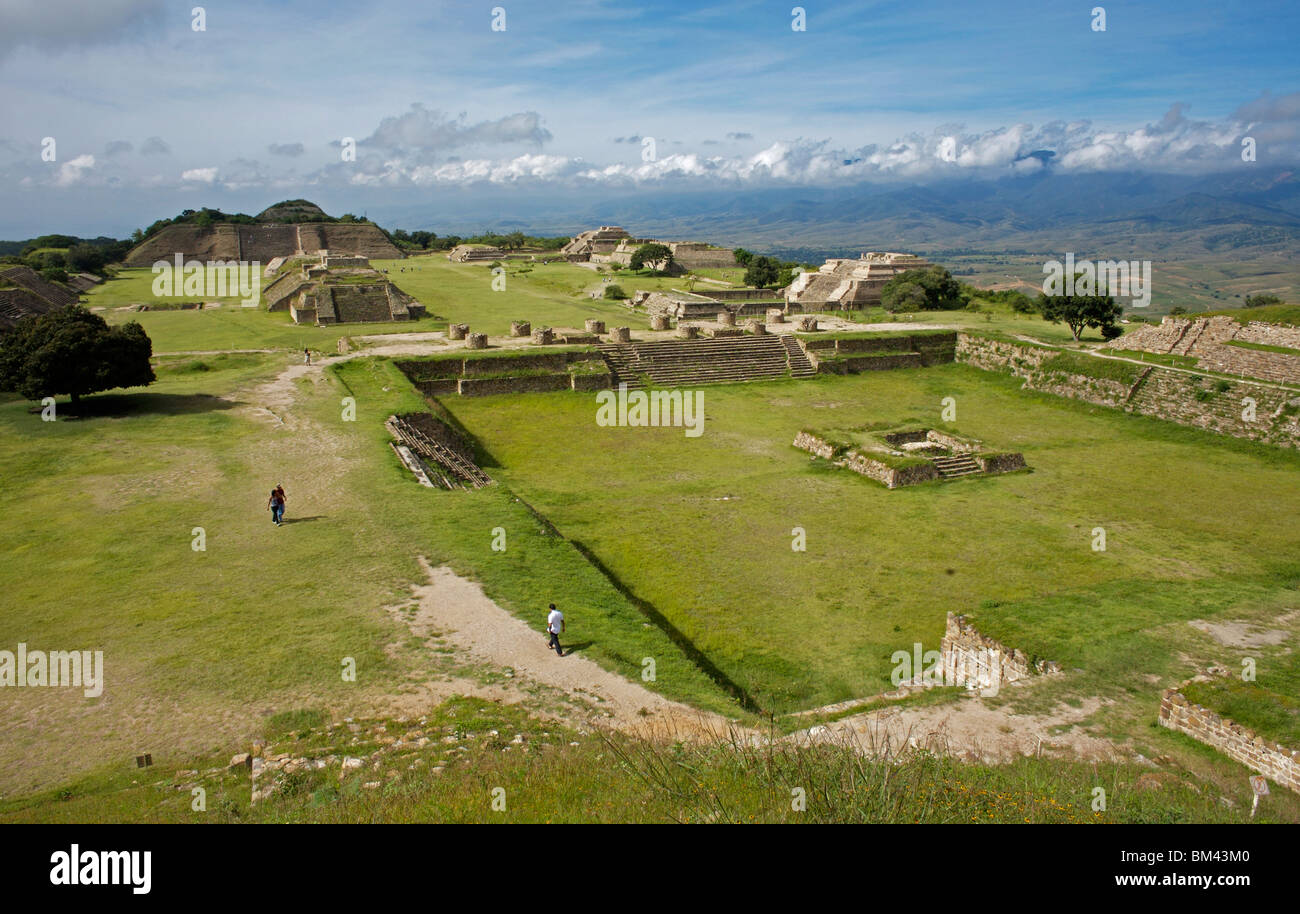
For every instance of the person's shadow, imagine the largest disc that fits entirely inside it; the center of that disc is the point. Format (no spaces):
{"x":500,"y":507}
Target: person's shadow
{"x":303,"y":520}
{"x":573,"y":648}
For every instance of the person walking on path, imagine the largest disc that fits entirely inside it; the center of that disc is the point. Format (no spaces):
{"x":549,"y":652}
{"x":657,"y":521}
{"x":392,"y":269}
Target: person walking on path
{"x":284,"y":499}
{"x":306,"y":356}
{"x":276,"y":504}
{"x":555,"y":625}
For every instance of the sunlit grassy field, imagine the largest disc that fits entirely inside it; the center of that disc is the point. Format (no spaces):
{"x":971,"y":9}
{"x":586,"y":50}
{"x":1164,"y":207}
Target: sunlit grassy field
{"x":702,"y":528}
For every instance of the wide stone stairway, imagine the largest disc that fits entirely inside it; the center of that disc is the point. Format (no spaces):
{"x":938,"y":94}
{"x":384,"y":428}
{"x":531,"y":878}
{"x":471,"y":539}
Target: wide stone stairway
{"x":687,"y":363}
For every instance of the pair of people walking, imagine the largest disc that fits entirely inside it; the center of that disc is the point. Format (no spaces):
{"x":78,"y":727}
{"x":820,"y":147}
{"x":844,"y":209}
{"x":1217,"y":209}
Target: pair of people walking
{"x":276,"y":504}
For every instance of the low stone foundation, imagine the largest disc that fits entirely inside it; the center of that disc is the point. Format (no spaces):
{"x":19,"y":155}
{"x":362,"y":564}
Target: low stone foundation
{"x":727,"y":318}
{"x":807,"y":324}
{"x":620,"y":335}
{"x":688,"y":331}
{"x":964,"y":647}
{"x":521,"y":328}
{"x":476,"y":341}
{"x":756,"y":327}
{"x":1273,"y":760}
{"x":457,"y":331}
{"x":660,"y":322}
{"x":543,"y":336}
{"x":595,"y":326}
{"x":775,"y":316}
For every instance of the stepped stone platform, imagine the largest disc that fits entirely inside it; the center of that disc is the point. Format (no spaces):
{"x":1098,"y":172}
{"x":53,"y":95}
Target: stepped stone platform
{"x":688,"y":363}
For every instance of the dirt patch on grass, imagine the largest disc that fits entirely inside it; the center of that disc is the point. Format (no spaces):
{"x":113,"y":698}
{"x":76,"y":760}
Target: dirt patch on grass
{"x":971,"y":730}
{"x":1241,"y":634}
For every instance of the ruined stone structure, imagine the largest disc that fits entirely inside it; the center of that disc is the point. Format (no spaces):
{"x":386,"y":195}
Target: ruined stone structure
{"x":691,"y":362}
{"x":476,"y":253}
{"x":601,"y":241}
{"x":435,"y":453}
{"x":611,"y":244}
{"x":1209,"y":340}
{"x":1243,"y":409}
{"x":1271,"y":759}
{"x":912,"y":456}
{"x":262,"y":242}
{"x":490,"y":373}
{"x":965,"y":647}
{"x":338,"y":289}
{"x":844,"y":284}
{"x":24,"y":292}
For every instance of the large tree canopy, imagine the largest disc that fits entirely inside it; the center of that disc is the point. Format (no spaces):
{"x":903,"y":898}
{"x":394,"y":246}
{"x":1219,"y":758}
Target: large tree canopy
{"x":929,"y":289}
{"x":654,"y":255}
{"x":74,"y":352}
{"x":763,"y":272}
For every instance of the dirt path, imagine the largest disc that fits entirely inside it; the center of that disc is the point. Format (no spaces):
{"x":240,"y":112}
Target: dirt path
{"x":466,"y":618}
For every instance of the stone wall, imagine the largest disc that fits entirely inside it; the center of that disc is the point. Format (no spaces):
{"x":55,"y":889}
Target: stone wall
{"x":482,"y":387}
{"x":892,"y":477}
{"x":1000,"y":463}
{"x":1273,"y":760}
{"x":807,"y":441}
{"x":857,"y":364}
{"x":965,"y":647}
{"x":1213,"y":404}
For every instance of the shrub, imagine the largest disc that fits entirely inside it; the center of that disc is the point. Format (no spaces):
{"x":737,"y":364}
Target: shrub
{"x":615,"y":291}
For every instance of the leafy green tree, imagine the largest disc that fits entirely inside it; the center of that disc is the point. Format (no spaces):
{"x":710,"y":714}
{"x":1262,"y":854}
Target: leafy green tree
{"x":762,"y":272}
{"x":1080,"y":311}
{"x":743,"y":257}
{"x":1261,"y":300}
{"x":938,"y":291}
{"x":615,"y":291}
{"x":74,"y":352}
{"x":659,"y":257}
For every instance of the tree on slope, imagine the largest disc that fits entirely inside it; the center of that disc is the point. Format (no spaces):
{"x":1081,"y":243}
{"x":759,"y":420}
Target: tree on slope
{"x":74,"y":352}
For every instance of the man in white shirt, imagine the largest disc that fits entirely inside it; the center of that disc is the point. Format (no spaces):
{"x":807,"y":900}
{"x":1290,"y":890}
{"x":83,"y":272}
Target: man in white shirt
{"x":555,"y":625}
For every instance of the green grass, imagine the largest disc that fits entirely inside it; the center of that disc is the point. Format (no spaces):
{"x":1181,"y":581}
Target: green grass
{"x":553,"y":295}
{"x":798,"y":630}
{"x":1092,"y":367}
{"x":1157,"y":358}
{"x":565,"y":776}
{"x":228,"y":327}
{"x":1263,"y":347}
{"x":1270,"y":705}
{"x":1269,"y":314}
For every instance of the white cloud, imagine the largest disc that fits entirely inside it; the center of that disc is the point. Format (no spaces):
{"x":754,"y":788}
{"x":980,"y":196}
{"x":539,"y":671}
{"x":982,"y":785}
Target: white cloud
{"x":202,"y":175}
{"x":72,"y":171}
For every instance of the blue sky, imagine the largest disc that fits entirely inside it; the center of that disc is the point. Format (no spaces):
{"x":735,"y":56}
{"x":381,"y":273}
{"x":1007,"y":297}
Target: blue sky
{"x":149,"y":115}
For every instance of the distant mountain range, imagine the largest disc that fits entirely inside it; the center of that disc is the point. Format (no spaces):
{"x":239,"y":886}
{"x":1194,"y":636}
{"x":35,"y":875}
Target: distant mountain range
{"x":1240,"y":215}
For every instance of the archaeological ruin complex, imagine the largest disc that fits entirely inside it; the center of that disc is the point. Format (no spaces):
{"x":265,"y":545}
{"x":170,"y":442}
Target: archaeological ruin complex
{"x":843,"y":284}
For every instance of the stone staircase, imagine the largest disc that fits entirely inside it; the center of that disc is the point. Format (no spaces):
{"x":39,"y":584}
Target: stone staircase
{"x":955,"y":466}
{"x":688,"y":363}
{"x":459,"y":471}
{"x":800,"y":366}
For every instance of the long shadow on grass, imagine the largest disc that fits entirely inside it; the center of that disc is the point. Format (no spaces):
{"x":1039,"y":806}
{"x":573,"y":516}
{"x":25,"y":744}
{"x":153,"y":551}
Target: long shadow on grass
{"x":118,"y":406}
{"x":687,"y":647}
